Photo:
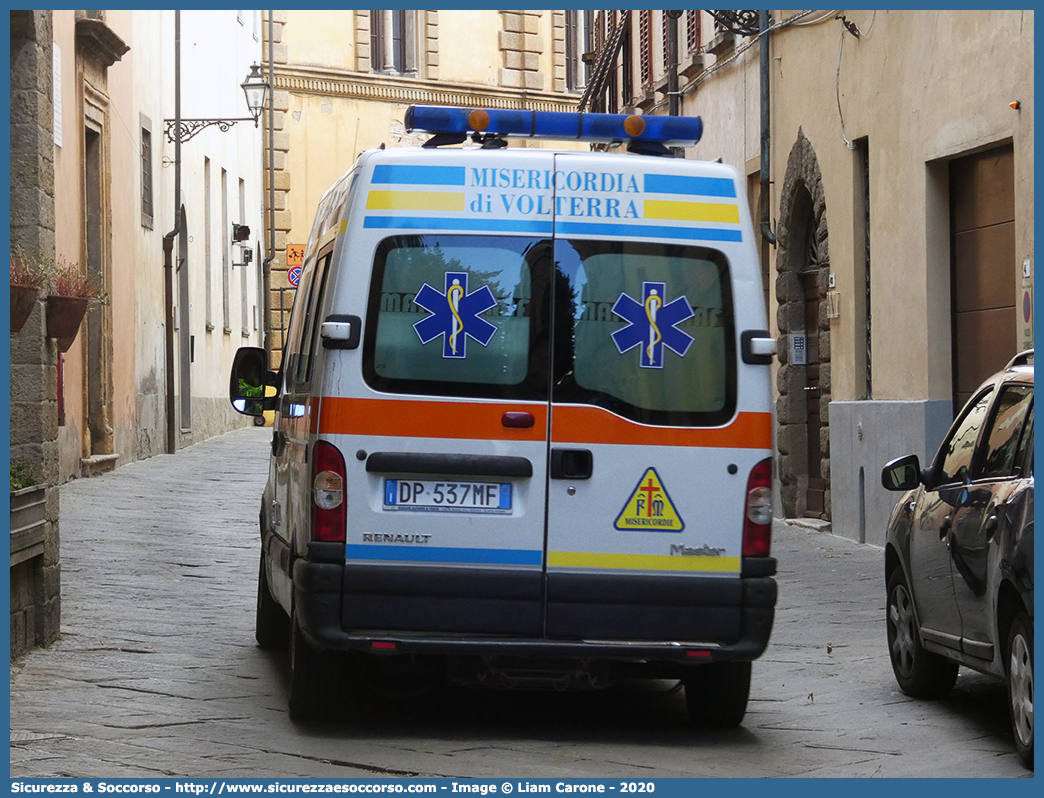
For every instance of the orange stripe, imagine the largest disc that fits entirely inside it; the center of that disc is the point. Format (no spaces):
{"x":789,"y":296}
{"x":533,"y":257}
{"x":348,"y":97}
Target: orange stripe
{"x":585,"y":424}
{"x":413,"y":418}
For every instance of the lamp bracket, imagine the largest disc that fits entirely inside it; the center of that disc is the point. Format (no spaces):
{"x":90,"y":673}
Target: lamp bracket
{"x":190,"y":127}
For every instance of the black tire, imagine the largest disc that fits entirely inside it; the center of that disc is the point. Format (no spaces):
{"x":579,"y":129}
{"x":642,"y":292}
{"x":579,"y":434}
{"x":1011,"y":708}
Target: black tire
{"x":920,"y":673}
{"x":308,"y":682}
{"x":716,"y":694}
{"x":271,"y":624}
{"x":1019,"y":670}
{"x":259,"y":421}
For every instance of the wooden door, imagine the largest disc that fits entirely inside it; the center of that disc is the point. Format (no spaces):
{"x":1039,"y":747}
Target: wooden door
{"x":983,"y":267}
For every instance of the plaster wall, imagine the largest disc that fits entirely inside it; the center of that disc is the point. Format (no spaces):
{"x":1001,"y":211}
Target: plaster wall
{"x":124,"y":228}
{"x":922,"y":87}
{"x":326,"y":39}
{"x":152,"y":60}
{"x":218,"y":48}
{"x":68,"y":235}
{"x":468,"y":48}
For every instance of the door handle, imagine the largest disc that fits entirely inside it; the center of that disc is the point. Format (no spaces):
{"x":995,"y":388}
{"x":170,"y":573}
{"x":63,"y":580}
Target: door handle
{"x":571,"y":464}
{"x":991,"y":527}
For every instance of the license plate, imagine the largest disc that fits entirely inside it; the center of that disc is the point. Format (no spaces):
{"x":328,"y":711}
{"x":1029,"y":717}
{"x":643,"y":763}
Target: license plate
{"x":445,"y":496}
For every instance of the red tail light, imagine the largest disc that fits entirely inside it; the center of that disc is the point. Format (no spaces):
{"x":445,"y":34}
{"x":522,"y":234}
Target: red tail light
{"x":757,"y":519}
{"x":328,"y":493}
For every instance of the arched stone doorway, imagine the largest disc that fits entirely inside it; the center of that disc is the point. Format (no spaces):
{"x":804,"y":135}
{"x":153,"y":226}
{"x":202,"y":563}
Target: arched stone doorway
{"x":802,"y":281}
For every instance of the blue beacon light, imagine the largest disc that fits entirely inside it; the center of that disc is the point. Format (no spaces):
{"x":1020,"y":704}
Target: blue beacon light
{"x":670,"y":131}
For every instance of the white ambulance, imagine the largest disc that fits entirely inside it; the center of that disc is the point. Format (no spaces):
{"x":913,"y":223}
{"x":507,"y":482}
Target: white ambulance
{"x":522,"y":431}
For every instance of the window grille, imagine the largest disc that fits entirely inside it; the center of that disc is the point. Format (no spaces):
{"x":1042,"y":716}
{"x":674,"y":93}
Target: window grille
{"x":645,"y":47}
{"x":693,"y":34}
{"x":146,"y":177}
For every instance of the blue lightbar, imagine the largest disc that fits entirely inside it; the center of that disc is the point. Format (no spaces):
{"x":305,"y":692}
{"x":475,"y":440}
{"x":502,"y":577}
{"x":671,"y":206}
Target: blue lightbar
{"x":670,"y":131}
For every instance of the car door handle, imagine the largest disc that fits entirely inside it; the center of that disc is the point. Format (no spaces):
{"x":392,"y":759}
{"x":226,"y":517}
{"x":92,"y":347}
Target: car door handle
{"x":991,"y":527}
{"x":571,"y":464}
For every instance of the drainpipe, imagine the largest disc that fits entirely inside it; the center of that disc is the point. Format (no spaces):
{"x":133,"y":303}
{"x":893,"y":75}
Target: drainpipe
{"x":672,"y":62}
{"x":766,"y":224}
{"x":168,"y":246}
{"x":266,"y":267}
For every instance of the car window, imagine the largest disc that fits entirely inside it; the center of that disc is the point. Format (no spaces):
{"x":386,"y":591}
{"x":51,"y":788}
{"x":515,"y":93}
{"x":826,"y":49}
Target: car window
{"x":1024,"y":456}
{"x":955,"y":455}
{"x":292,"y":347}
{"x":1005,"y":434}
{"x":310,"y":331}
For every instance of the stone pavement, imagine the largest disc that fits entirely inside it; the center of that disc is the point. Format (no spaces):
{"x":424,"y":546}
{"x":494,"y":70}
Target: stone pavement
{"x":157,"y":674}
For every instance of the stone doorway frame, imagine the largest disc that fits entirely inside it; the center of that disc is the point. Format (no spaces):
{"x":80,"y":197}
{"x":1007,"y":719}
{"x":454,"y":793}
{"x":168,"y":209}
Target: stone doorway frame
{"x":802,"y":210}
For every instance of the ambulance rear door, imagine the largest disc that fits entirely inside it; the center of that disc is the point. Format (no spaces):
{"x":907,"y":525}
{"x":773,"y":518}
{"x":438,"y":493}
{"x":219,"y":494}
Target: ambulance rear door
{"x":655,"y":424}
{"x":445,"y":425}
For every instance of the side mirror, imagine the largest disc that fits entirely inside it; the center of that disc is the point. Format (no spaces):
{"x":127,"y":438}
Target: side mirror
{"x":250,"y":377}
{"x":902,"y":474}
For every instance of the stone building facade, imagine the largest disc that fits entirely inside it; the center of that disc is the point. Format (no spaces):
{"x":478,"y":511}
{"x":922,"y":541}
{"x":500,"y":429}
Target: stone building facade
{"x":35,"y":569}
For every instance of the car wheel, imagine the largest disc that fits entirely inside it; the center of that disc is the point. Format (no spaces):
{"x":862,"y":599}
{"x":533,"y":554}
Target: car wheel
{"x":271,"y":624}
{"x":307,"y":677}
{"x":920,"y":673}
{"x":716,"y":694}
{"x":1020,"y":685}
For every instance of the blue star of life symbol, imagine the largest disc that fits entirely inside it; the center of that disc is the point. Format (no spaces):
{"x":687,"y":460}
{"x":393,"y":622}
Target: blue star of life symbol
{"x":455,"y":315}
{"x":652,"y":324}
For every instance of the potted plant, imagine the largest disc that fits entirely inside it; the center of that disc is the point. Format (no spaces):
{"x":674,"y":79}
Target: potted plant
{"x":28,"y":515}
{"x":28,"y":275}
{"x":71,"y":292}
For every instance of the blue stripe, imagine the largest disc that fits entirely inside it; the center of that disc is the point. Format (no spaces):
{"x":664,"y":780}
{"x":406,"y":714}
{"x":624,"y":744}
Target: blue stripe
{"x":542,"y":228}
{"x":448,"y":555}
{"x":648,"y":231}
{"x":698,"y":186}
{"x":419,"y":175}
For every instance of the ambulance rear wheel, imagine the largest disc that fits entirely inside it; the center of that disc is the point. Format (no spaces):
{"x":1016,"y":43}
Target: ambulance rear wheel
{"x":307,"y":671}
{"x":716,"y":694}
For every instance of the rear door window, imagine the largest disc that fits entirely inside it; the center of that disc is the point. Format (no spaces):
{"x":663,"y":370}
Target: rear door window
{"x":455,"y":315}
{"x":650,"y":331}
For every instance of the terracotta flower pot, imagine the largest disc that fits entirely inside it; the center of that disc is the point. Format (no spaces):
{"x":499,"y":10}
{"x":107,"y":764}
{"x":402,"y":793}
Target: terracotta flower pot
{"x":64,"y":316}
{"x":23,"y":298}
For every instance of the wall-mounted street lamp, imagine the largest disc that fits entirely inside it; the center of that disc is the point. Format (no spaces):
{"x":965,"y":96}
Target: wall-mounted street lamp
{"x":255,"y":87}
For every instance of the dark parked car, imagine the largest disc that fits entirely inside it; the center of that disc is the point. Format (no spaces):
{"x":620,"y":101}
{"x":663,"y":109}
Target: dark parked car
{"x":959,"y":552}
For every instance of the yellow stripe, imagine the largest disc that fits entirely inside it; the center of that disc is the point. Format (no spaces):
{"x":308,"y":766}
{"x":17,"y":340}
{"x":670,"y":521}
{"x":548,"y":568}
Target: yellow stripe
{"x":415,"y":201}
{"x":343,"y":228}
{"x":691,"y":211}
{"x":642,"y":562}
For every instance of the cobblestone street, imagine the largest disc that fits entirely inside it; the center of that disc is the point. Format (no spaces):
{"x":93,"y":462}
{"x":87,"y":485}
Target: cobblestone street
{"x":157,"y":672}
